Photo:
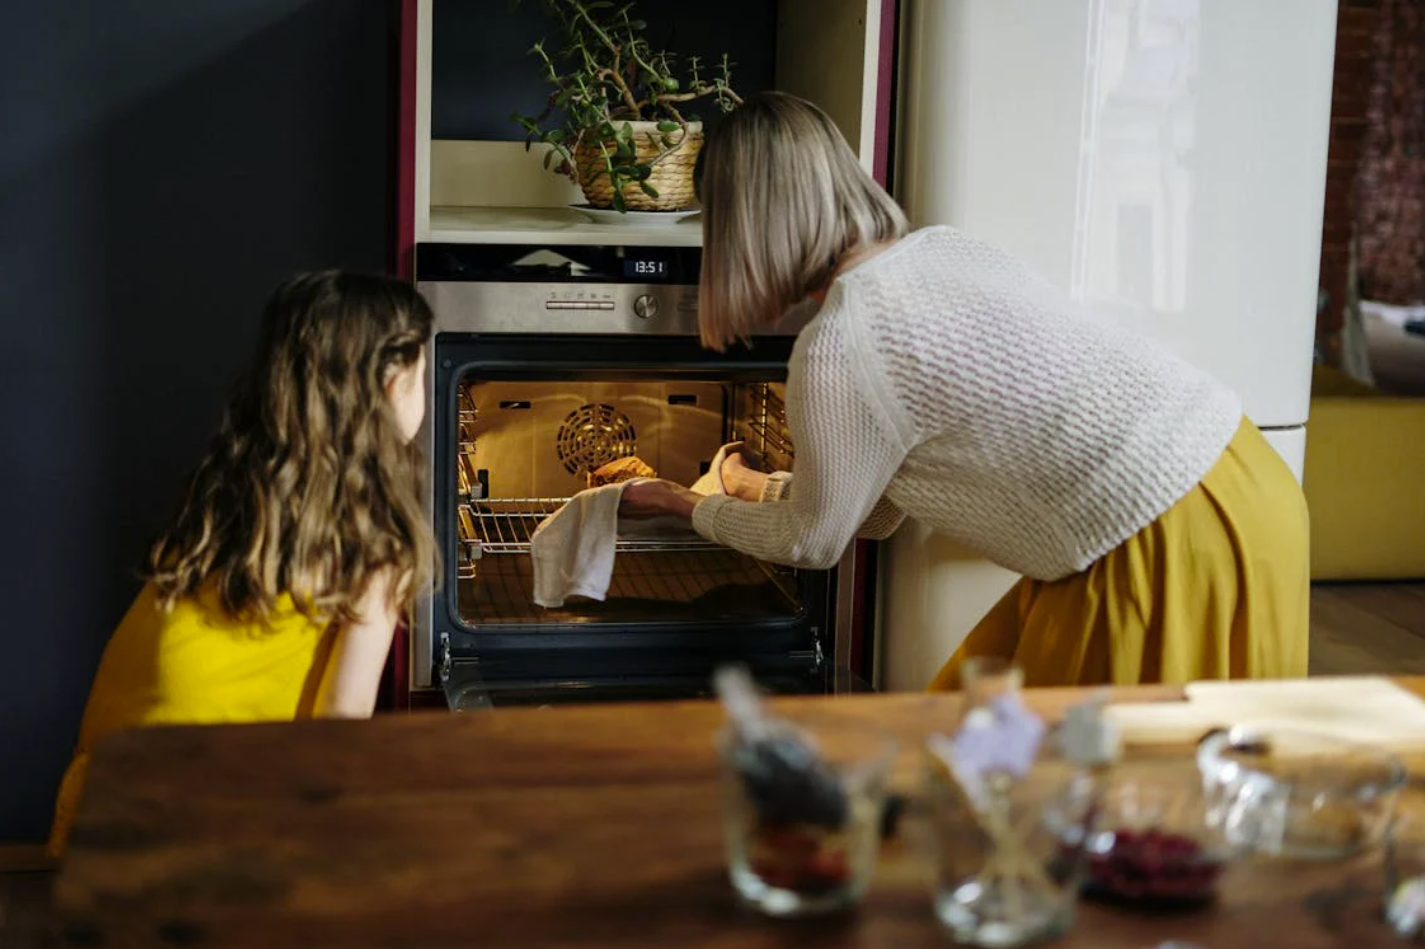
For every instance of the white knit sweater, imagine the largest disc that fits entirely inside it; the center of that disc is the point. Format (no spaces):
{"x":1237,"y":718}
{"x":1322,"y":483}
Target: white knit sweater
{"x":944,"y":381}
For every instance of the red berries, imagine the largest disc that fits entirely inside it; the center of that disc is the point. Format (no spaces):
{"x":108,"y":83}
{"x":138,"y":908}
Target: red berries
{"x":802,"y":859}
{"x":1153,"y":865}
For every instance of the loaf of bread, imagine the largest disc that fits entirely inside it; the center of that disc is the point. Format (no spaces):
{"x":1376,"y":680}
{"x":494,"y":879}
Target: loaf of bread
{"x":620,"y":469}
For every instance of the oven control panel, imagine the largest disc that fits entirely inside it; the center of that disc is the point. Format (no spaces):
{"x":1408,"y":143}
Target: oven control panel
{"x":583,"y":289}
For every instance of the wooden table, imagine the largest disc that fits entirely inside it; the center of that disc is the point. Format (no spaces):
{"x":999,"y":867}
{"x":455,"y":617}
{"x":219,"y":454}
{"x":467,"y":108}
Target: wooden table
{"x":595,"y":825}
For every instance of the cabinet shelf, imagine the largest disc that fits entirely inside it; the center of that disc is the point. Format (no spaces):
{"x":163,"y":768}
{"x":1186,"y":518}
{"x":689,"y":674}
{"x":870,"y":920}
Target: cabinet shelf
{"x":475,"y":181}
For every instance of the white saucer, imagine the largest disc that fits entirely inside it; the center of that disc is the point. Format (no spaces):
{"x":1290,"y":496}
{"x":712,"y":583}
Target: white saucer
{"x":609,"y":216}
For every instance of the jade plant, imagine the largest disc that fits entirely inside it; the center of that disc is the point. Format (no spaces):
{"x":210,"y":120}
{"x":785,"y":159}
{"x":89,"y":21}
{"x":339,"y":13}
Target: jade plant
{"x":606,"y":77}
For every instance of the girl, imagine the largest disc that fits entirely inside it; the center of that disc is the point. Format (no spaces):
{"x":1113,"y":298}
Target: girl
{"x":275,"y":592}
{"x":1159,"y":535}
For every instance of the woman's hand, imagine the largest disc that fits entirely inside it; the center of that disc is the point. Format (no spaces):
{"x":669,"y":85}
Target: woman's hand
{"x":654,"y":497}
{"x":739,"y":479}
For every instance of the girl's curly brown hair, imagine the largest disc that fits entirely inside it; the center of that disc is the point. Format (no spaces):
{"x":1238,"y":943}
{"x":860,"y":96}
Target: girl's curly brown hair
{"x":309,"y":487}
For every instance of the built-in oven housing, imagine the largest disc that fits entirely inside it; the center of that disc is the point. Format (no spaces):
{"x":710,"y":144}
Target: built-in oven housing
{"x":547,"y":361}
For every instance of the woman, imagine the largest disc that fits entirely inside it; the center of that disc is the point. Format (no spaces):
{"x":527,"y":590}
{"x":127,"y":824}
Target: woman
{"x":1159,"y":535}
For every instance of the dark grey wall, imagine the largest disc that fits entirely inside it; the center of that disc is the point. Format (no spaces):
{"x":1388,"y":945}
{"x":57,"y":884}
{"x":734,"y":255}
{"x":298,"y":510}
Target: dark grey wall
{"x":163,"y":163}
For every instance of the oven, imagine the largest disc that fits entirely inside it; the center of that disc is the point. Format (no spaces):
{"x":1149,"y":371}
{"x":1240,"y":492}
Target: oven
{"x":548,"y":361}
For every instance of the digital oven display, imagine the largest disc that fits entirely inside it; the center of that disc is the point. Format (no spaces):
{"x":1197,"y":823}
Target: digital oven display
{"x":634,"y":267}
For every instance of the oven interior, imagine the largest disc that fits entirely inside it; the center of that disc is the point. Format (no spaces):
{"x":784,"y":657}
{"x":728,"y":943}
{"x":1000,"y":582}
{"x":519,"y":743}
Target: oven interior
{"x":524,"y":447}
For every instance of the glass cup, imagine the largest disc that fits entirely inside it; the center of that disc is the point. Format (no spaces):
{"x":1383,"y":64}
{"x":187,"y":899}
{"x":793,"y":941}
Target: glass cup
{"x":1005,"y":874}
{"x":1298,"y":794}
{"x":787,"y":859}
{"x":1404,"y":896}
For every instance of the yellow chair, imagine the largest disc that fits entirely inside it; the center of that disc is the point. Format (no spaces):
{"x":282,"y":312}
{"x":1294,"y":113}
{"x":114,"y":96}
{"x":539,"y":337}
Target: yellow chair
{"x":1364,"y":481}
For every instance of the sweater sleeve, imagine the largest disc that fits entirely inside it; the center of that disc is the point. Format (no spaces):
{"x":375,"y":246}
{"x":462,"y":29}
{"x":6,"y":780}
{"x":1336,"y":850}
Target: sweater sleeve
{"x":849,"y":444}
{"x":881,"y":523}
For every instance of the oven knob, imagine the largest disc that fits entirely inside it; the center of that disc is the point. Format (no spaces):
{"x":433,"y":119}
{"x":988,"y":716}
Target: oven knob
{"x":646,"y":306}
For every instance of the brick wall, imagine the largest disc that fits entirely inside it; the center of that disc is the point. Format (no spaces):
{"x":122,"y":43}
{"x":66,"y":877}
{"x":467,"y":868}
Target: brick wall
{"x":1390,"y":214}
{"x":1356,"y":25}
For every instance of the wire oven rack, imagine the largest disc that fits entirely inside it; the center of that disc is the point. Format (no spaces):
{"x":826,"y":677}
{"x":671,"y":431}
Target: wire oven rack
{"x":762,"y":425}
{"x":682,"y":577}
{"x":505,"y":525}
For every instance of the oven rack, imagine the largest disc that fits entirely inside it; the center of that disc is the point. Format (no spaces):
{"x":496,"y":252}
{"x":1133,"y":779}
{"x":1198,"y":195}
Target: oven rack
{"x":762,"y":426}
{"x":505,"y":525}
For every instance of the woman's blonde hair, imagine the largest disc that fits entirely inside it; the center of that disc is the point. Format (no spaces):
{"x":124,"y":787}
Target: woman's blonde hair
{"x":783,"y":198}
{"x":309,"y":487}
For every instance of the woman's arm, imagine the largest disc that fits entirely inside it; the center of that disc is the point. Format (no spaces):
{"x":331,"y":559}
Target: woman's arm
{"x":851,"y":436}
{"x":353,"y":674}
{"x":749,"y":484}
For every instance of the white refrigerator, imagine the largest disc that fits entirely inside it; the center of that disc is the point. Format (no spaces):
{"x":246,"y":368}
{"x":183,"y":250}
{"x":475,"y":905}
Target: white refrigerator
{"x":1164,"y":161}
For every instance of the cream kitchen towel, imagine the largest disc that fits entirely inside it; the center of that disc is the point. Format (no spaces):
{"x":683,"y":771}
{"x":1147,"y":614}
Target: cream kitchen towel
{"x":711,"y":481}
{"x":573,"y":549}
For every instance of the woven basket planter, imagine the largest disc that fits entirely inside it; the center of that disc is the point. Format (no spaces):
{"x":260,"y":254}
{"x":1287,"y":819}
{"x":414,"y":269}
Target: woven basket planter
{"x":672,"y":177}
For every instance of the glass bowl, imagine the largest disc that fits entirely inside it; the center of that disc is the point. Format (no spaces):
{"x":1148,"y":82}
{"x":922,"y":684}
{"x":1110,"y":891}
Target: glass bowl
{"x":1298,"y":794}
{"x":1151,"y":840}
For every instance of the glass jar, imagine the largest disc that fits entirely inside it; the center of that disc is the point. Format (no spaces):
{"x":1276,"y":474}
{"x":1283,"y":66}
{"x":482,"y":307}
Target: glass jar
{"x":808,"y":845}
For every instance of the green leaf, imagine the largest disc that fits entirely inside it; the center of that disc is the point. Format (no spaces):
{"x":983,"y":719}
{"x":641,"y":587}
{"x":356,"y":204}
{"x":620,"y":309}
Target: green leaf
{"x":625,"y":133}
{"x":620,"y":205}
{"x":548,"y":157}
{"x":638,"y":24}
{"x":555,"y":135}
{"x":670,"y":84}
{"x":648,"y":189}
{"x":668,"y":126}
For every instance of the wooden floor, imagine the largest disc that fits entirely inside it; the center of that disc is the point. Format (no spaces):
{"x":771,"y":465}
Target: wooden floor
{"x":1368,"y":628}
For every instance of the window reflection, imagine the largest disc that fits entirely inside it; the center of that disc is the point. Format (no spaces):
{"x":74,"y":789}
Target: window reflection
{"x":1135,"y":179}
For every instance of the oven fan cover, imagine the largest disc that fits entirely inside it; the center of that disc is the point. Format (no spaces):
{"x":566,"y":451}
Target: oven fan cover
{"x":594,"y":435}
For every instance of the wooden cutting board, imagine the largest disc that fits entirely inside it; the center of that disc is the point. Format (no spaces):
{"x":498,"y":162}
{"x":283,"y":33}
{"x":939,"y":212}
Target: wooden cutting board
{"x":1367,"y":709}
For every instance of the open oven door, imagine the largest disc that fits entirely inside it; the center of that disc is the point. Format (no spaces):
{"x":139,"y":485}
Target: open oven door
{"x":469,"y":686}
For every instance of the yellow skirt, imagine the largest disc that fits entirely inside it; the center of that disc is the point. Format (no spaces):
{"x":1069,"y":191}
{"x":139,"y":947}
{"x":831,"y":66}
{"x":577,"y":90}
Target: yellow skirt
{"x":1218,"y":587}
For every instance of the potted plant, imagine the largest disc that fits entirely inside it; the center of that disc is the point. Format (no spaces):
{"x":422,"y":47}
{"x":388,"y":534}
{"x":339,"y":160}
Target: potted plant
{"x":622,"y":135}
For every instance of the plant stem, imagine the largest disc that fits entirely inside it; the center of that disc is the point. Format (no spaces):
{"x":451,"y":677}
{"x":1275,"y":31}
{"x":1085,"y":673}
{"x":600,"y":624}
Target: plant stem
{"x":581,"y":13}
{"x":683,"y":96}
{"x":623,"y":88}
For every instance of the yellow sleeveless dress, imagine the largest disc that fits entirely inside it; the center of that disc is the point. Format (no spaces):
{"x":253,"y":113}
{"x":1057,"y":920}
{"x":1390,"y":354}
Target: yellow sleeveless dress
{"x":1218,"y":587}
{"x":195,"y":665}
